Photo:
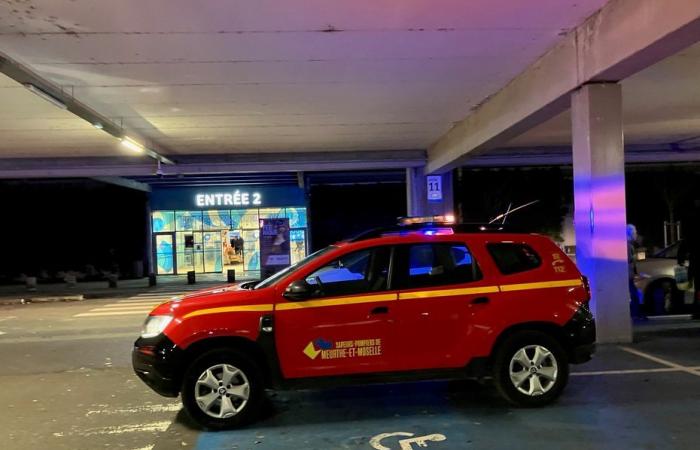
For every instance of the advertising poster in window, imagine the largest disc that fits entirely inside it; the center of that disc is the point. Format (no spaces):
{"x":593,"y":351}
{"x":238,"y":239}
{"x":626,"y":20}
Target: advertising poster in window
{"x":274,"y":245}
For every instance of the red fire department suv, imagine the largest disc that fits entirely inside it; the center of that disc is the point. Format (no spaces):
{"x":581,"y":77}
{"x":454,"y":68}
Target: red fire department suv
{"x":422,"y":301}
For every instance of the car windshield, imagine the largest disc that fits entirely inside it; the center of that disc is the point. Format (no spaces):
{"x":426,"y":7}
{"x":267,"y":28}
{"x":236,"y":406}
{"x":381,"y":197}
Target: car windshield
{"x":282,"y":273}
{"x":669,"y":252}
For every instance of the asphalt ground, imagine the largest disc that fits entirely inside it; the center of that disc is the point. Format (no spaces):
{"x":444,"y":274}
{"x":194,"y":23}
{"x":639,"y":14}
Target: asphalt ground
{"x":66,"y":383}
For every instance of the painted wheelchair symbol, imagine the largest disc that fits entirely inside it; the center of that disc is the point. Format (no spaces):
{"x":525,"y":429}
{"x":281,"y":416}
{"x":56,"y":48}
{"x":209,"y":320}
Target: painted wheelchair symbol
{"x":406,"y":444}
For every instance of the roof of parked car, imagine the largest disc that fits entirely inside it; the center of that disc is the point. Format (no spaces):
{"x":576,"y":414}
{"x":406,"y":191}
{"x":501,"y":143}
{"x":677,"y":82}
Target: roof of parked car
{"x":433,"y":229}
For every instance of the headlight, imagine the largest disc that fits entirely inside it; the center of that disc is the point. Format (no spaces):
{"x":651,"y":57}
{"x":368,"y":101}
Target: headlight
{"x":155,"y":325}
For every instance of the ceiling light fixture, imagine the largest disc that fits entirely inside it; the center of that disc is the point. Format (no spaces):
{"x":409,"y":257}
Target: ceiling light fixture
{"x":132,"y":145}
{"x":45,"y":95}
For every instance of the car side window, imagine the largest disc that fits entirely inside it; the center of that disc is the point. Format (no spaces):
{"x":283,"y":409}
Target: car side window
{"x":355,"y":273}
{"x":424,"y":265}
{"x":513,"y":258}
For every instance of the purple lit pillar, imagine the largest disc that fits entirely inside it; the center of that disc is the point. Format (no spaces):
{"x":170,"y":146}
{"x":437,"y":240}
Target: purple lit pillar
{"x":419,"y":202}
{"x":599,"y":202}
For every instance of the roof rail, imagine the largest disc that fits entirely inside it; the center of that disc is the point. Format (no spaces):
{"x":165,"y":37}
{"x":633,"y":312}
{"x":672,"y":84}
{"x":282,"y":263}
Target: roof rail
{"x":436,"y":226}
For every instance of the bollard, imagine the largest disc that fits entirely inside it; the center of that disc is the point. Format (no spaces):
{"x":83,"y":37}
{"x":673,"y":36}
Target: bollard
{"x":151,"y":279}
{"x":31,"y":283}
{"x":231,"y":275}
{"x":112,"y":280}
{"x":190,"y":277}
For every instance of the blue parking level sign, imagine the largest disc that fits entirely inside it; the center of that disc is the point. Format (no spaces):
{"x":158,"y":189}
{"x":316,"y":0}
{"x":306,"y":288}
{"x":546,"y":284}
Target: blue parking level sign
{"x":434,"y":188}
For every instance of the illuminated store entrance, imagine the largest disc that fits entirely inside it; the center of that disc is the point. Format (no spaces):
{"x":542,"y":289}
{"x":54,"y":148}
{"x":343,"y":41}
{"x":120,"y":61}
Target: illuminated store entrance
{"x":219,"y":235}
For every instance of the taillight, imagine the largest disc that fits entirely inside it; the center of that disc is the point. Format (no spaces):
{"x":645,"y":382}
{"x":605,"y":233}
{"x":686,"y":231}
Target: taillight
{"x":586,"y":287}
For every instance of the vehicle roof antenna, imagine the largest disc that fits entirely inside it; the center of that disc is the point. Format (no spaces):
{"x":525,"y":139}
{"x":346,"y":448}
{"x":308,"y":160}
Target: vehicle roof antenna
{"x":511,"y":211}
{"x":505,"y":216}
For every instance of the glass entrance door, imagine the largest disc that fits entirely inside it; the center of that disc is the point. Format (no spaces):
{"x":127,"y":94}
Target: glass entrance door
{"x":213,"y":249}
{"x":165,"y":253}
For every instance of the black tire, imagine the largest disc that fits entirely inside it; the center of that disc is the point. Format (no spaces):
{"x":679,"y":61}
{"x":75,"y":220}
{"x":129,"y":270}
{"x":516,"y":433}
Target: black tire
{"x":251,"y":374}
{"x":660,"y":298}
{"x":530,"y":340}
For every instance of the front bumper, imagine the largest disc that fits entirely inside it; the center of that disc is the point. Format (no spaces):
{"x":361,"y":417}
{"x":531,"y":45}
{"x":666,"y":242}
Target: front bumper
{"x":581,"y":334}
{"x":158,"y":362}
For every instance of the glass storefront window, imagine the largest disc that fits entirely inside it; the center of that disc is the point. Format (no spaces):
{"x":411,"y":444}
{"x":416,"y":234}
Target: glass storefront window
{"x":251,"y":250}
{"x":163,"y":221}
{"x":213,"y":258}
{"x":249,"y":220}
{"x":164,"y":254}
{"x":298,"y":248}
{"x":272,"y":213}
{"x":188,"y":220}
{"x":216,"y":220}
{"x":213,"y":241}
{"x":297,"y":217}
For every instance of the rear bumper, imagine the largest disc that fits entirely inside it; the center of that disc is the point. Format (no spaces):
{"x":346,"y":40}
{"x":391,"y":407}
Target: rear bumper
{"x":158,"y":362}
{"x":581,"y":335}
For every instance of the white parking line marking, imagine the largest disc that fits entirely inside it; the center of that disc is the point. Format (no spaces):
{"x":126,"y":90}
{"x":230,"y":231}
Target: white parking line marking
{"x":145,"y":300}
{"x":121,"y":429}
{"x":67,"y":337}
{"x":140,"y":302}
{"x":172,"y":407}
{"x":113,"y":313}
{"x":124,"y":308}
{"x":661,"y":361}
{"x":624,"y":372}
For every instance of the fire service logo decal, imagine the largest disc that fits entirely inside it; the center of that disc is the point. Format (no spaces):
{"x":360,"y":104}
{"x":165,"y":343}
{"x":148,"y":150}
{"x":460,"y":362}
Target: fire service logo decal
{"x":357,"y":348}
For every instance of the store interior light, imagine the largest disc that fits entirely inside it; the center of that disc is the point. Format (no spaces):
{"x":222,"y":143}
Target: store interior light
{"x":132,"y":145}
{"x":98,"y":125}
{"x":45,"y":95}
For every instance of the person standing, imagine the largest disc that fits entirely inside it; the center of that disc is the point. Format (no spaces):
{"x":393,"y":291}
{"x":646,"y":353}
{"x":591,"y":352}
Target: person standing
{"x":689,"y":250}
{"x":635,"y":307}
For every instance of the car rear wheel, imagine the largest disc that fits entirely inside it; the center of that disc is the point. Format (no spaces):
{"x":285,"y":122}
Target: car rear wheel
{"x":222,"y":389}
{"x":530,"y":369}
{"x":659,"y":298}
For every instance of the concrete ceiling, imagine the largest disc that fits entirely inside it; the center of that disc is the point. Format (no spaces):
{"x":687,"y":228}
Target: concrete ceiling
{"x":32,"y":127}
{"x":226,"y":76}
{"x":661,"y":106}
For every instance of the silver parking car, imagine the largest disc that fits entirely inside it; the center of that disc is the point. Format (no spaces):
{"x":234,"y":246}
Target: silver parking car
{"x":657,"y":285}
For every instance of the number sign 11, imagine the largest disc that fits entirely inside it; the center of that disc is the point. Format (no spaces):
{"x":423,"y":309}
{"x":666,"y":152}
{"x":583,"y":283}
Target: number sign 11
{"x":434,"y":187}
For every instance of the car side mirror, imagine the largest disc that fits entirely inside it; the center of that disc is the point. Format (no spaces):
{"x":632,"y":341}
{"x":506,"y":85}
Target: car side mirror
{"x":298,"y":290}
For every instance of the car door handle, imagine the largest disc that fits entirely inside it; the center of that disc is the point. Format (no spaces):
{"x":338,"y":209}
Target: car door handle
{"x":380,"y":310}
{"x":480,"y":301}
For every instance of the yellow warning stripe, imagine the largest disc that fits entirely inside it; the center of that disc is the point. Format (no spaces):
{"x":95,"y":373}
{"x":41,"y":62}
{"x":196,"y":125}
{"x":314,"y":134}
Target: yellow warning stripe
{"x":337,"y":301}
{"x":354,"y":300}
{"x":228,"y":309}
{"x":448,"y":292}
{"x":541,"y":285}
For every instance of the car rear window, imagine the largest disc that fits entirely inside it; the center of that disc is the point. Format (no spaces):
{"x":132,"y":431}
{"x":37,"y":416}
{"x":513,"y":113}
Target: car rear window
{"x":513,"y":258}
{"x":424,"y":265}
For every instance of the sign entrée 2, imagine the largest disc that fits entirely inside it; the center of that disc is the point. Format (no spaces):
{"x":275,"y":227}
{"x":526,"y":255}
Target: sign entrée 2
{"x":236,"y":198}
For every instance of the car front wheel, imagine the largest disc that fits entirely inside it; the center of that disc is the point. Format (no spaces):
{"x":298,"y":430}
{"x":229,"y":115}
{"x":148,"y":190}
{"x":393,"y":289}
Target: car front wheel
{"x":531,"y":369}
{"x":222,"y":389}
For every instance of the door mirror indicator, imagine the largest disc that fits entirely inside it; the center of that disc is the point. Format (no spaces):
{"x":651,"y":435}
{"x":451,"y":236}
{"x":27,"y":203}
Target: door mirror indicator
{"x":299,"y":290}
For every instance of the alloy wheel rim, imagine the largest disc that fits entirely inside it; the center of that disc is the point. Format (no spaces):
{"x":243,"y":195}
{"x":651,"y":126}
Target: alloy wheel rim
{"x":533,"y":370}
{"x":222,"y":391}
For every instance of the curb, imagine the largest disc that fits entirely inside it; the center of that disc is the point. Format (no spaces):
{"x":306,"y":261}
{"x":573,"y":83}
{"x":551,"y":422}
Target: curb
{"x":57,"y":298}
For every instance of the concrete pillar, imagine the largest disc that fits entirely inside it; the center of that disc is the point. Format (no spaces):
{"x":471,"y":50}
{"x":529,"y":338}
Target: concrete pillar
{"x":599,"y":202}
{"x":418,"y":203}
